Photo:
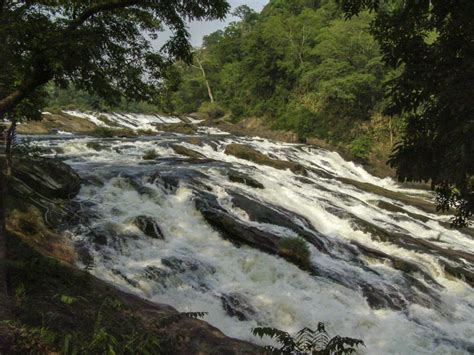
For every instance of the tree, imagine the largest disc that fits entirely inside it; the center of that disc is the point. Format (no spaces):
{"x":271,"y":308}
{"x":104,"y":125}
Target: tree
{"x":432,"y":41}
{"x":100,"y":46}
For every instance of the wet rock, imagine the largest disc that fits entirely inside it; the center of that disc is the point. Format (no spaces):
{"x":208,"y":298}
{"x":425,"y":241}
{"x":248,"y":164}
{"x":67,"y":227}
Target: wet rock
{"x":396,"y":209}
{"x":236,"y":176}
{"x":119,"y":273}
{"x":84,"y":254}
{"x":237,"y":306}
{"x":182,"y":265}
{"x":183,"y":128}
{"x":259,"y":212}
{"x":156,"y":274}
{"x":233,"y":229}
{"x":181,"y":150}
{"x":245,"y":152}
{"x":49,"y":177}
{"x":417,"y":202}
{"x":96,"y":146}
{"x":149,"y":227}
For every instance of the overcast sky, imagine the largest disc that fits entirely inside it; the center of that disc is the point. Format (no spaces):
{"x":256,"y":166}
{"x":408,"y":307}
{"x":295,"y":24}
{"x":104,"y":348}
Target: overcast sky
{"x":200,"y":29}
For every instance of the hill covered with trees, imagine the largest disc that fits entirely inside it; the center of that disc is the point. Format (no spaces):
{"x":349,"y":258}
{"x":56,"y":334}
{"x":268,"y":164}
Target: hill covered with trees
{"x":299,"y":65}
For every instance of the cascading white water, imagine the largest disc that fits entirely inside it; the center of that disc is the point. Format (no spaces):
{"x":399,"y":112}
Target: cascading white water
{"x":195,"y":269}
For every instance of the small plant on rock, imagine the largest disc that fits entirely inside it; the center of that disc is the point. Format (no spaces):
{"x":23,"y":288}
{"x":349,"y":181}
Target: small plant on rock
{"x":296,"y":250}
{"x":150,"y":155}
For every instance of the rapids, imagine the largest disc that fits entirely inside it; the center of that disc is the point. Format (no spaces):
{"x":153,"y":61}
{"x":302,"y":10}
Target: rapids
{"x":396,"y":277}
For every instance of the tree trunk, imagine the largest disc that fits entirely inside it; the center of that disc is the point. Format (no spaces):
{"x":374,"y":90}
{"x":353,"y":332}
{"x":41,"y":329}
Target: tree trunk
{"x":209,"y":91}
{"x":391,"y":130}
{"x":3,"y":230}
{"x":5,"y":174}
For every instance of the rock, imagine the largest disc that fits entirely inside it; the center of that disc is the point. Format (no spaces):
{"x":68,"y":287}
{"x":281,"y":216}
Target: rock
{"x":95,"y":146}
{"x":181,"y":265}
{"x":245,"y":152}
{"x":183,"y":128}
{"x":396,"y":209}
{"x":149,"y":227}
{"x":49,"y":177}
{"x":236,"y":176}
{"x":236,"y":306}
{"x":233,"y":229}
{"x":181,"y":150}
{"x":417,"y":202}
{"x":259,"y":212}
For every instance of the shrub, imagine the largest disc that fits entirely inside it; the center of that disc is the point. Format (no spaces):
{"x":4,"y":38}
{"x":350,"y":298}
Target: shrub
{"x":296,"y":250}
{"x":213,"y":110}
{"x":308,"y":341}
{"x":103,"y":132}
{"x":361,"y":147}
{"x":146,"y":132}
{"x":150,"y":155}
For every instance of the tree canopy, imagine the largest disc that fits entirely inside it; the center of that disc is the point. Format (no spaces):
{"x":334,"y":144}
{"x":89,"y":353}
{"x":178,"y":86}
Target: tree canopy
{"x":103,"y":47}
{"x":432,"y":41}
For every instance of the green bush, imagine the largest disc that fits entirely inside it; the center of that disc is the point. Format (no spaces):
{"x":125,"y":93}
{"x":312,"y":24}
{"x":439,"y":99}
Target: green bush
{"x":361,"y":147}
{"x":213,"y":110}
{"x":103,"y":132}
{"x":150,"y":155}
{"x":296,"y":250}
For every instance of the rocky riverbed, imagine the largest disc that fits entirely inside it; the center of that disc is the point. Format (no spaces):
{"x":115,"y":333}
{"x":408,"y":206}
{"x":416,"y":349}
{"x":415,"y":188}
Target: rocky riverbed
{"x":198,"y":225}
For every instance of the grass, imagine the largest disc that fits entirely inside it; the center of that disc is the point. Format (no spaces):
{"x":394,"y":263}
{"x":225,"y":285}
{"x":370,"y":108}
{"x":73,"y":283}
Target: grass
{"x":150,"y":155}
{"x":296,"y":250}
{"x":58,"y":309}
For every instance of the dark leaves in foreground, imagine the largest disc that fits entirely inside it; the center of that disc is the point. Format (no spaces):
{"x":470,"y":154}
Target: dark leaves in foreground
{"x":308,"y":341}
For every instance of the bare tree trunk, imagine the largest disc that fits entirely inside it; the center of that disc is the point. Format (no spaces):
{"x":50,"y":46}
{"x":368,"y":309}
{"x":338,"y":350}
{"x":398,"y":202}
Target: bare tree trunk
{"x":391,"y":130}
{"x":209,"y":91}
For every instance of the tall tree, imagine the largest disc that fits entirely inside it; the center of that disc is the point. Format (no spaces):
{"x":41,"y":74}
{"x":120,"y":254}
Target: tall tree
{"x":101,"y":46}
{"x":432,"y":40}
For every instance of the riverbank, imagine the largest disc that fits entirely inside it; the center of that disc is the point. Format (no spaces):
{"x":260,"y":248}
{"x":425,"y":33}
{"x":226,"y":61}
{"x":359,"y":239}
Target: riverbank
{"x":55,"y":307}
{"x":140,"y":124}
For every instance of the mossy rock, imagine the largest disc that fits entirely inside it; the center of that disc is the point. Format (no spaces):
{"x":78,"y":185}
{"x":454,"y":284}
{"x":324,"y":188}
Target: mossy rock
{"x":245,"y":152}
{"x":296,"y":250}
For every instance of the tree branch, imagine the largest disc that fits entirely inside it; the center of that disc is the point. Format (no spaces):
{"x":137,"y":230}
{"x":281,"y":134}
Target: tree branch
{"x":98,"y":8}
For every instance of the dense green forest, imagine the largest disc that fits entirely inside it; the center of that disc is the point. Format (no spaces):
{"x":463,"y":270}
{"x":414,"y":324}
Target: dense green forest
{"x":299,"y":65}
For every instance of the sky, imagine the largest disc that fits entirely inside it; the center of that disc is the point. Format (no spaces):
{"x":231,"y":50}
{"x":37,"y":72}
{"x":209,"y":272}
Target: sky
{"x":199,"y":29}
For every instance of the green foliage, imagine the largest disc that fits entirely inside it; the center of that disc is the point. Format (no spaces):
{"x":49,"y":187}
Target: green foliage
{"x":308,"y":341}
{"x":103,"y":48}
{"x":105,"y":132}
{"x":296,"y":250}
{"x":361,"y":147}
{"x":35,"y":340}
{"x":430,"y":43}
{"x":212,"y":110}
{"x":150,"y":155}
{"x":299,"y":64}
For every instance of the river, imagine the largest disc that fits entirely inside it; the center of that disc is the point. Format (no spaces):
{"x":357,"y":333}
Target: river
{"x":382,"y":269}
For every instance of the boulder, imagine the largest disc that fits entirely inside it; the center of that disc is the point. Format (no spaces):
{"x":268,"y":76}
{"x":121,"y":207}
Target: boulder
{"x":233,"y":229}
{"x":237,"y":306}
{"x":149,"y":227}
{"x":245,"y":152}
{"x":48,"y":177}
{"x":181,"y":150}
{"x":236,"y":176}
